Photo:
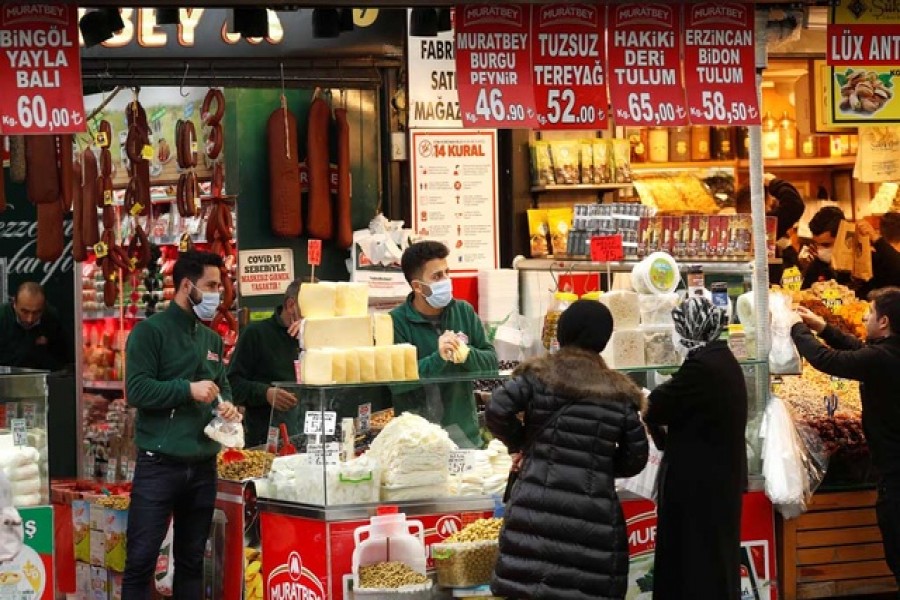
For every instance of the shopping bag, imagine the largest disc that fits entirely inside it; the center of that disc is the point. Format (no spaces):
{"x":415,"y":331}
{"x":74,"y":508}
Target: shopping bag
{"x":165,"y":565}
{"x":645,"y":484}
{"x":862,"y":259}
{"x":844,"y":247}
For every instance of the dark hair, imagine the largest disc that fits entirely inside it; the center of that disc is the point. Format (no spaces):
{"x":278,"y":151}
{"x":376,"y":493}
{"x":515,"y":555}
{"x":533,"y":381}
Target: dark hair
{"x":292,"y":290}
{"x":827,"y":220}
{"x":887,"y":304}
{"x":890,"y":227}
{"x":742,"y":203}
{"x":190,"y":265}
{"x":417,"y":255}
{"x":32,"y":288}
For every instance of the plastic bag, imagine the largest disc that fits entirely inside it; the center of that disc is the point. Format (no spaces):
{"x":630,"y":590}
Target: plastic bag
{"x":794,"y":460}
{"x":164,"y":577}
{"x":646,"y":483}
{"x":783,"y":356}
{"x":230,"y":435}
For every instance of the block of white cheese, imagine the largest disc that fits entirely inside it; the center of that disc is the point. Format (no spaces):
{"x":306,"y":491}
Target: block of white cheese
{"x":398,"y":362}
{"x":339,"y":364}
{"x":317,"y":300}
{"x":411,"y":360}
{"x":625,"y":349}
{"x":318,"y":366}
{"x":351,"y":364}
{"x":351,"y":299}
{"x":366,"y":364}
{"x":383,"y":326}
{"x":337,"y":332}
{"x":384,"y":363}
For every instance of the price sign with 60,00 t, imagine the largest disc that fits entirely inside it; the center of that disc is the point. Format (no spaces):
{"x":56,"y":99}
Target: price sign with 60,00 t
{"x":40,"y":73}
{"x":493,"y":66}
{"x":568,"y":57}
{"x":645,"y":66}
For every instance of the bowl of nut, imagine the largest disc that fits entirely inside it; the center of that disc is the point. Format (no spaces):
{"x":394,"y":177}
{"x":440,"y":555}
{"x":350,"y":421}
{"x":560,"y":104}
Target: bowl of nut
{"x":468,"y":557}
{"x":392,"y":580}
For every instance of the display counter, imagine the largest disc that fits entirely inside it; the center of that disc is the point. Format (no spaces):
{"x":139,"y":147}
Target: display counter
{"x":23,"y":435}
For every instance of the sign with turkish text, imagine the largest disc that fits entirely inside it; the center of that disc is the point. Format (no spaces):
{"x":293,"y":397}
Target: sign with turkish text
{"x":645,"y":65}
{"x":607,"y":248}
{"x":264,"y":272}
{"x":493,"y":66}
{"x":568,"y":59}
{"x":863,"y":54}
{"x":719,"y":64}
{"x":314,"y":252}
{"x":431,"y":79}
{"x":40,"y":70}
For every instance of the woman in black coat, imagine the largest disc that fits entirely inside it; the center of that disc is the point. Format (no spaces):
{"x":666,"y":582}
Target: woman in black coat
{"x":703,"y":472}
{"x":564,"y":533}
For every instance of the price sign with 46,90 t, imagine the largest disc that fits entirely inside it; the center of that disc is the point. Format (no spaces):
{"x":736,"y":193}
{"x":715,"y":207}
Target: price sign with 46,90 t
{"x":643,"y":108}
{"x":490,"y":106}
{"x":715,"y":109}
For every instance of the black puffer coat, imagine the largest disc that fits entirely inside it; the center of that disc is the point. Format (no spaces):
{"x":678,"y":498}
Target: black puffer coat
{"x":564,"y":537}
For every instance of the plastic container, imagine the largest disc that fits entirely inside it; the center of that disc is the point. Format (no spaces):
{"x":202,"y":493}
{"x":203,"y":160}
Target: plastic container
{"x":659,"y":345}
{"x":657,"y":309}
{"x":624,"y":308}
{"x":561,"y":301}
{"x":656,"y":274}
{"x":389,"y":538}
{"x":465,"y":564}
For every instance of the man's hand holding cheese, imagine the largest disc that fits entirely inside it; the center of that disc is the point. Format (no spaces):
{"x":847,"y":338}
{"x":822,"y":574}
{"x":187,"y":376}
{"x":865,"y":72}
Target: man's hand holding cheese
{"x":443,"y":329}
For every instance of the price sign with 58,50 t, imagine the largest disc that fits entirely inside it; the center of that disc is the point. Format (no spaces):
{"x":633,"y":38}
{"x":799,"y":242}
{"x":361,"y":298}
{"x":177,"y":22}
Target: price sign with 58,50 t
{"x":644,"y":64}
{"x":719,"y":64}
{"x":568,"y":57}
{"x":40,"y":69}
{"x":493,"y":65}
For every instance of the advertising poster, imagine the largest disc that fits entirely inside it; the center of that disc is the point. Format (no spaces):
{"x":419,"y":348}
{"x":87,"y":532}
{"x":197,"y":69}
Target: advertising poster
{"x":431,"y":79}
{"x":264,"y":272}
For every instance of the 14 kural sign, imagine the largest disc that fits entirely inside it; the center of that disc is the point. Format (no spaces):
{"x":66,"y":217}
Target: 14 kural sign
{"x":40,"y":69}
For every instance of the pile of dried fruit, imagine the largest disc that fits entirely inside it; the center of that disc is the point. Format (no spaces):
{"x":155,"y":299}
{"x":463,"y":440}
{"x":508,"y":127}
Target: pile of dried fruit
{"x":477,"y":531}
{"x":389,"y":576}
{"x":255,"y":463}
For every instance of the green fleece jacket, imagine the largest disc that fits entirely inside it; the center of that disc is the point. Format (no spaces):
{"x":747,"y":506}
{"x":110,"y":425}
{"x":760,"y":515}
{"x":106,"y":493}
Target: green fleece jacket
{"x":264,"y":354}
{"x":47,"y":345}
{"x":450,"y":404}
{"x":164,"y":355}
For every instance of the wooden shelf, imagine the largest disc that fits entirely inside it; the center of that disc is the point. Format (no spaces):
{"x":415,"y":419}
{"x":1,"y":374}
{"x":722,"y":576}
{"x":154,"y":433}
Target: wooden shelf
{"x":697,"y":164}
{"x":580,"y":187}
{"x":803,"y":163}
{"x":103,"y":385}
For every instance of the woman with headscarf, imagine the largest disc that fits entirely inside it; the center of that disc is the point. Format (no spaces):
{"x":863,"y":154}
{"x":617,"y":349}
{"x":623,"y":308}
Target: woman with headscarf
{"x":703,"y":472}
{"x":564,"y":533}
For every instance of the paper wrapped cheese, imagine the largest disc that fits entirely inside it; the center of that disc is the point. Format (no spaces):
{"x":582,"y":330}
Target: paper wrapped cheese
{"x":398,"y":362}
{"x":384,"y":363}
{"x":351,"y":299}
{"x":383,"y":326}
{"x":337,"y":332}
{"x":317,"y":300}
{"x":367,"y":373}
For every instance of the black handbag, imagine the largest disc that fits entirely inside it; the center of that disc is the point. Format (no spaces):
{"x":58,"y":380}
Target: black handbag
{"x":514,"y":475}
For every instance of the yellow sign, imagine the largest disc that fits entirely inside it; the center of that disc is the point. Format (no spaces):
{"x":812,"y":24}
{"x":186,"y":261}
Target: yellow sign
{"x":792,"y":279}
{"x":831,"y":298}
{"x":864,"y":95}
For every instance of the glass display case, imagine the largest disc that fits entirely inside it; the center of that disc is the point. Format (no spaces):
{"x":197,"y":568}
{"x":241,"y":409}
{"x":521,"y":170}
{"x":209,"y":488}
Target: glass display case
{"x":23,"y":435}
{"x":330,"y":449}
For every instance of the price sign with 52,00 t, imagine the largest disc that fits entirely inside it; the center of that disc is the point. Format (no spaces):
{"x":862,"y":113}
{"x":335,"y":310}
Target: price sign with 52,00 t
{"x":644,"y":64}
{"x":40,"y":69}
{"x":493,"y":66}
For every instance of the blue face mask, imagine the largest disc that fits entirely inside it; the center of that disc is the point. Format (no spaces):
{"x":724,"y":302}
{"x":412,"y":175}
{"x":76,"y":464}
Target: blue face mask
{"x":441,"y":293}
{"x":206,"y":308}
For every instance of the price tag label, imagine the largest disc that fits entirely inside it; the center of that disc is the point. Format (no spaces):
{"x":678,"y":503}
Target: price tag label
{"x":147,"y":152}
{"x":102,"y":139}
{"x":101,"y":249}
{"x":136,"y":209}
{"x":607,"y":248}
{"x":644,"y":64}
{"x":19,"y":432}
{"x":314,"y":252}
{"x":313,"y":422}
{"x":272,"y":440}
{"x":493,"y":66}
{"x":29,"y":412}
{"x":568,"y":56}
{"x":832,"y":299}
{"x":792,"y":279}
{"x":460,"y":462}
{"x":41,"y":72}
{"x":719,"y":47}
{"x":107,"y":197}
{"x":323,"y":454}
{"x":364,"y":417}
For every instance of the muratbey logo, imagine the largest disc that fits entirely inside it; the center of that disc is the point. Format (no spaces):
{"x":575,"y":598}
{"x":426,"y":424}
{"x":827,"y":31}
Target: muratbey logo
{"x":568,"y":14}
{"x":641,"y":533}
{"x":22,"y":12}
{"x":291,"y":581}
{"x":718,"y":14}
{"x":644,"y":14}
{"x":502,"y":14}
{"x":447,"y":526}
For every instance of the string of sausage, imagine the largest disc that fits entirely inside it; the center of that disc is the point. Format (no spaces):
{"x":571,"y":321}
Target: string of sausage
{"x":138,"y":201}
{"x":2,"y":188}
{"x":113,"y":259}
{"x":343,"y":235}
{"x":284,"y":173}
{"x":42,"y":182}
{"x":320,"y":223}
{"x":187,"y":191}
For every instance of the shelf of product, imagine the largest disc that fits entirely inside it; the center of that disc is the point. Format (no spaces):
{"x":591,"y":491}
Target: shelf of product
{"x":467,"y":558}
{"x":23,"y":435}
{"x":594,"y":161}
{"x":580,"y":187}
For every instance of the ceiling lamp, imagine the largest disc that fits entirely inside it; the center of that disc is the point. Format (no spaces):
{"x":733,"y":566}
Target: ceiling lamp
{"x":167,"y":16}
{"x":326,"y":23}
{"x":445,"y":19}
{"x":346,"y":19}
{"x":423,"y":22}
{"x":100,"y":25}
{"x":250,"y":22}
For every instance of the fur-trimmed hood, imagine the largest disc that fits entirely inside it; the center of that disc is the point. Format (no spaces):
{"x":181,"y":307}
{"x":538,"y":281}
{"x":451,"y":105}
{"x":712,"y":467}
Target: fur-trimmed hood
{"x":581,"y":374}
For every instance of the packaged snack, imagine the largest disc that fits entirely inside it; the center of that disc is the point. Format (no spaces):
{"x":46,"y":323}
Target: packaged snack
{"x":587,"y":161}
{"x":643,"y":237}
{"x":621,"y":161}
{"x":537,"y":232}
{"x":601,"y":160}
{"x":566,"y":162}
{"x":560,"y":221}
{"x":543,"y":164}
{"x":771,"y":233}
{"x":724,"y":243}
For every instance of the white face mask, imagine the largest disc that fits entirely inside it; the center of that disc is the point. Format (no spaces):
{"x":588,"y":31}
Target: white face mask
{"x":825,"y":254}
{"x":206,"y":308}
{"x":441,"y":293}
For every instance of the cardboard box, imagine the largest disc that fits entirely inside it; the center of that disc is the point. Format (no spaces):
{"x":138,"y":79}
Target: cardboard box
{"x":99,"y":584}
{"x":81,"y":530}
{"x":82,"y":581}
{"x":98,"y":548}
{"x":98,"y":515}
{"x":116,"y":526}
{"x":115,"y":586}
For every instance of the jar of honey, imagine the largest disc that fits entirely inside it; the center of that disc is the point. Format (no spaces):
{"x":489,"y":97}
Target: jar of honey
{"x":679,"y":144}
{"x":700,"y":142}
{"x":722,"y":143}
{"x":659,"y":145}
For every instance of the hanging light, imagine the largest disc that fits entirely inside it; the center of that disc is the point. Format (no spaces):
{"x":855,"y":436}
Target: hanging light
{"x":250,"y":22}
{"x":423,"y":22}
{"x":167,"y":16}
{"x":346,"y":19}
{"x":326,"y":23}
{"x":100,"y":25}
{"x":445,"y":19}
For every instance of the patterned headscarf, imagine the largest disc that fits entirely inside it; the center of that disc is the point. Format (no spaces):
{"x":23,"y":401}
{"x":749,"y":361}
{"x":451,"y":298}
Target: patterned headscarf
{"x":698,"y":321}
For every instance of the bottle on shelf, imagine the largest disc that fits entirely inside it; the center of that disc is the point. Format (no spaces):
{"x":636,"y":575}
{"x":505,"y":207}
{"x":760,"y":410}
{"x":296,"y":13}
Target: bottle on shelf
{"x":700,"y":142}
{"x":659,"y":144}
{"x":807,"y":146}
{"x":787,"y":136}
{"x":639,"y":142}
{"x":742,"y":142}
{"x":771,"y":138}
{"x":722,"y":143}
{"x":679,"y":144}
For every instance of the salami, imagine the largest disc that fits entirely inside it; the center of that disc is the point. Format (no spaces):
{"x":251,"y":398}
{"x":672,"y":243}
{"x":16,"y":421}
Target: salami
{"x":41,"y":178}
{"x":17,"y":165}
{"x":66,"y":172}
{"x":213,"y":97}
{"x":90,"y":190}
{"x":320,"y":221}
{"x":284,"y":174}
{"x":344,"y":230}
{"x":79,"y":252}
{"x":50,"y":238}
{"x":2,"y":188}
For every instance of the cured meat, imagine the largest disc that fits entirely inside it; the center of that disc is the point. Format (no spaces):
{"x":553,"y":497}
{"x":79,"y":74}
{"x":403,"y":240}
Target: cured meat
{"x":41,"y":178}
{"x":343,"y":216}
{"x":320,"y":221}
{"x":50,"y":237}
{"x":284,"y":174}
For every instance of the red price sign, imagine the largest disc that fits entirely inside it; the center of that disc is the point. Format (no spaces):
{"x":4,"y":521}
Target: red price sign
{"x":493,"y":65}
{"x":720,"y":78}
{"x":568,"y":56}
{"x":40,"y":73}
{"x":314,"y":252}
{"x":645,"y":65}
{"x":607,"y":248}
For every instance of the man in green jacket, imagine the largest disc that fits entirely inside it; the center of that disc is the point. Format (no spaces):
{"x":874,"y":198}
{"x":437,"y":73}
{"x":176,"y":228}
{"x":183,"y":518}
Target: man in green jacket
{"x":31,"y":335}
{"x":434,"y":323}
{"x":265,"y":352}
{"x":175,"y":373}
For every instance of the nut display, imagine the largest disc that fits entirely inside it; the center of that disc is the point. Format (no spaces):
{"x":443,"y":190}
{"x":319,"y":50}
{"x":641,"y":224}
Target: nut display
{"x":380,"y":419}
{"x":255,"y":463}
{"x":863,"y":91}
{"x":253,"y":579}
{"x":114,"y":502}
{"x":478,"y":531}
{"x":389,"y":575}
{"x":465,"y":564}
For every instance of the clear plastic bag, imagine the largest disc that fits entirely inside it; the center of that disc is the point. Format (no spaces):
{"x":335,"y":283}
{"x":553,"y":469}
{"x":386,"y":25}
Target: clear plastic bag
{"x":783,"y":356}
{"x":230,"y":435}
{"x":794,"y":460}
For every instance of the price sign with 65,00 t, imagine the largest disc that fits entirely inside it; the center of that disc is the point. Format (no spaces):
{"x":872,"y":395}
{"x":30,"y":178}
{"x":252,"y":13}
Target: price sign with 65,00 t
{"x":40,"y":74}
{"x":568,"y":55}
{"x":644,"y":64}
{"x":493,"y":66}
